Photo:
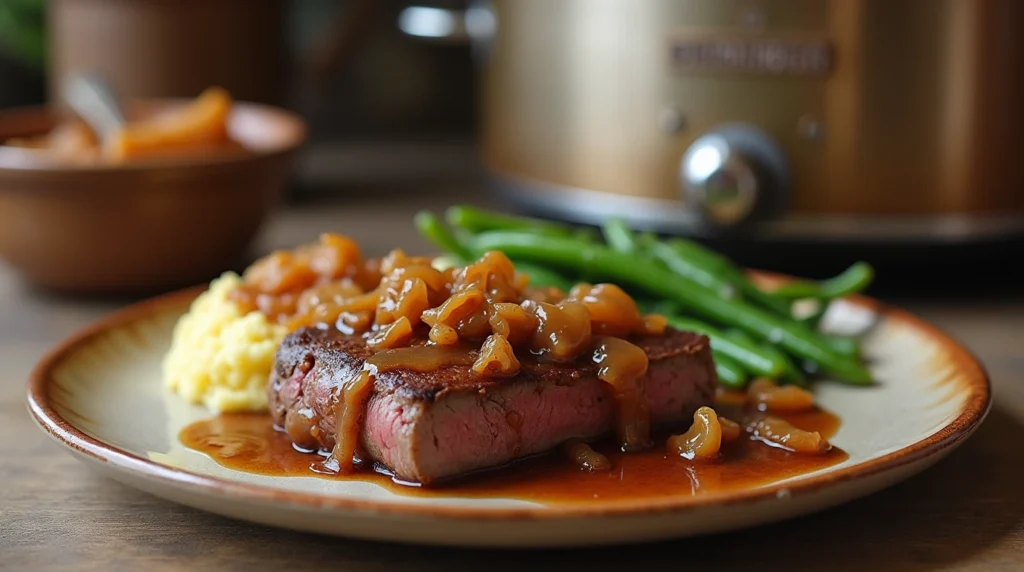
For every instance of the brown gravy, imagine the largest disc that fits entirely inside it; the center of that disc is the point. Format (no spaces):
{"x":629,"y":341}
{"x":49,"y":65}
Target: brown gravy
{"x":248,"y":442}
{"x":420,"y":358}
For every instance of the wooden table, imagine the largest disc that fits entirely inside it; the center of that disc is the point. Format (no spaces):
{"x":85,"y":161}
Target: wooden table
{"x":966,"y":513}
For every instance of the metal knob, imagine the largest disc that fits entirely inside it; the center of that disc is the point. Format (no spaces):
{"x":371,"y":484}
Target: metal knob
{"x":733,"y":175}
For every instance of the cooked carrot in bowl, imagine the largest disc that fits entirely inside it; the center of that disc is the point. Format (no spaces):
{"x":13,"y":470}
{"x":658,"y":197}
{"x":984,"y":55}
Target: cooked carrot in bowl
{"x":197,"y":128}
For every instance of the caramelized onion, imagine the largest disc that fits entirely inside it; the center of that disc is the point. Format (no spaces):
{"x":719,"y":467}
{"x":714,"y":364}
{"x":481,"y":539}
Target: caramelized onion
{"x":724,"y":396}
{"x":496,"y":358}
{"x":353,"y":396}
{"x":521,"y":281}
{"x":329,"y":293}
{"x":466,"y":312}
{"x":563,"y":329}
{"x":276,"y":283}
{"x":622,"y":366}
{"x":476,"y":316}
{"x":654,"y":324}
{"x":443,"y":335}
{"x":513,"y":322}
{"x":393,"y":335}
{"x":703,"y":440}
{"x":276,"y":307}
{"x":334,"y":256}
{"x":351,"y":323}
{"x":730,"y":429}
{"x":612,"y":311}
{"x":329,"y":311}
{"x":493,"y":274}
{"x":402,"y":298}
{"x":397,"y":259}
{"x":278,"y":273}
{"x":398,"y":267}
{"x":367,"y":275}
{"x":549,"y":294}
{"x":584,"y":457}
{"x":420,"y":358}
{"x":768,"y":396}
{"x":780,"y":433}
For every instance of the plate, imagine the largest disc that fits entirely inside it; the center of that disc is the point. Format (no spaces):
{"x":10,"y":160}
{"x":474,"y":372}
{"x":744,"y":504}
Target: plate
{"x":99,"y":394}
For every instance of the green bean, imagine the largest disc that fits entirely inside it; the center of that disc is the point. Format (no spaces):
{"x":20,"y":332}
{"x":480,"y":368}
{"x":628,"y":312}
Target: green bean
{"x":436,"y":232}
{"x":686,"y":268}
{"x":844,"y":345}
{"x":852,"y":280}
{"x":730,"y":373}
{"x":619,"y":236}
{"x":700,"y":269}
{"x":721,"y":266}
{"x":790,"y":371}
{"x":749,"y":356}
{"x":473,"y":219}
{"x":586,"y":234}
{"x":659,"y":281}
{"x":653,"y":306}
{"x":700,"y":254}
{"x":813,"y":320}
{"x":739,"y":335}
{"x":646,"y":238}
{"x":542,"y":276}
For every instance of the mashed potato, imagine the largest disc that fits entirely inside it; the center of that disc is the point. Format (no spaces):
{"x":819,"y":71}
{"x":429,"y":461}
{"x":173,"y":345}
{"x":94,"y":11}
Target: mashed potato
{"x":220,"y":357}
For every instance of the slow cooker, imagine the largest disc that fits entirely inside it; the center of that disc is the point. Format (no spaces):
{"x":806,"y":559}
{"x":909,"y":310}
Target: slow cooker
{"x":777,"y":119}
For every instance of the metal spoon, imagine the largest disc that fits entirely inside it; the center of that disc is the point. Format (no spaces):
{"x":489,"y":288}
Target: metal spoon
{"x":96,"y":103}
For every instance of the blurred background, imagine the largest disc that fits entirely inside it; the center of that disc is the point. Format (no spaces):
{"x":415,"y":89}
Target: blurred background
{"x":344,"y":65}
{"x":796,"y":135}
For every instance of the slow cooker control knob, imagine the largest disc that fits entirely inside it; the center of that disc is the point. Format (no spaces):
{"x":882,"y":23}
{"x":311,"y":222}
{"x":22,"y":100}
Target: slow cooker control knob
{"x":733,"y":175}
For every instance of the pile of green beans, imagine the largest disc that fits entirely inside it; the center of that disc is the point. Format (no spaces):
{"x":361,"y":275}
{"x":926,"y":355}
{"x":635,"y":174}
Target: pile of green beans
{"x":753,"y":331}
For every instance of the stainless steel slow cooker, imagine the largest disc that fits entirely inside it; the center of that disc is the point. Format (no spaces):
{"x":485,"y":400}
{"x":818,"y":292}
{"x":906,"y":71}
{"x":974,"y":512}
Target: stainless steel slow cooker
{"x":821,"y":119}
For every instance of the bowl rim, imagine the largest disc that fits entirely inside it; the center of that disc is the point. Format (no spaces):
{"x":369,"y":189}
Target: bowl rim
{"x":14,"y":160}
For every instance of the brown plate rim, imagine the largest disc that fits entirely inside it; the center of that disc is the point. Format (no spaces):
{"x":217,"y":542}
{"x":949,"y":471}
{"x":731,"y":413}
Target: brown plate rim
{"x":974,"y":411}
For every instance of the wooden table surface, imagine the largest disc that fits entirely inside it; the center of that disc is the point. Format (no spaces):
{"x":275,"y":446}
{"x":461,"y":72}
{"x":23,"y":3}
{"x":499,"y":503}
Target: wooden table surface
{"x":966,"y":513}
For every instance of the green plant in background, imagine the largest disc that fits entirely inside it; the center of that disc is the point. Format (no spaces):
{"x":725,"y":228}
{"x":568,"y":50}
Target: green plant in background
{"x":23,"y":31}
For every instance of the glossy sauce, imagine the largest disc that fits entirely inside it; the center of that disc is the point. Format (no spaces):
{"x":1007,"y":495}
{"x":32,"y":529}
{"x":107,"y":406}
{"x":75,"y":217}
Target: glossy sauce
{"x":622,"y":366}
{"x":420,"y":358}
{"x":356,"y":392}
{"x":248,"y":442}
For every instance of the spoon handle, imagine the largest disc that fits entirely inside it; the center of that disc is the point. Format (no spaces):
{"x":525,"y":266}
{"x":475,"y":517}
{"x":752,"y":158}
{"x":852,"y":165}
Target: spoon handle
{"x":94,"y":101}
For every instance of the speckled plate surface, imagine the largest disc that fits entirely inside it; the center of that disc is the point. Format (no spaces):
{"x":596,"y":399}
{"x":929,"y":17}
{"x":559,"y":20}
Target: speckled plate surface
{"x":99,"y":394}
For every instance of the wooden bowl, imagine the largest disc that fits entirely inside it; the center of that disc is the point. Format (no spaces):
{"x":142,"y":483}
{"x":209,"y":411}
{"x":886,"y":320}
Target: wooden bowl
{"x":153,"y":225}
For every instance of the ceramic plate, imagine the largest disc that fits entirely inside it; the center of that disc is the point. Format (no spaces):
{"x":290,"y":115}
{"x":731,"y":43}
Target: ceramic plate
{"x":100,"y":395}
